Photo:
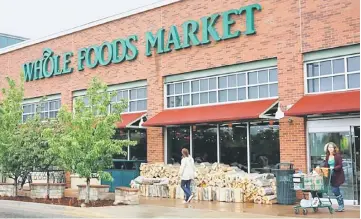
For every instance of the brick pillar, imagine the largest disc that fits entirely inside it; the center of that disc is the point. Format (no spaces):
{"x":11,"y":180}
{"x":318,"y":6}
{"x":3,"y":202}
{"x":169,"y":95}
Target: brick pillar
{"x":155,"y":142}
{"x":293,"y":142}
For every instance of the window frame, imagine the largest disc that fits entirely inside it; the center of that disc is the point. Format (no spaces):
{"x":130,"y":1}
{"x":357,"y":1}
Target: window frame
{"x":345,"y":73}
{"x":246,"y":86}
{"x":36,"y":105}
{"x":127,"y":110}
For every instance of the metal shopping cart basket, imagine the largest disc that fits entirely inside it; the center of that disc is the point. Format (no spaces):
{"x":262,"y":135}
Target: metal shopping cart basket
{"x":317,"y":185}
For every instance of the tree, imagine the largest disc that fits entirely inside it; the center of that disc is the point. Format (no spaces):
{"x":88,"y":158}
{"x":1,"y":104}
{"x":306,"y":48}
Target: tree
{"x":44,"y":156}
{"x":13,"y":163}
{"x":86,"y":145}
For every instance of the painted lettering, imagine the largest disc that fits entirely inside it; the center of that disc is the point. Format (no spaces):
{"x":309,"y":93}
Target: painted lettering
{"x":88,"y":57}
{"x":173,"y":39}
{"x":133,"y":49}
{"x":81,"y":58}
{"x":101,"y":54}
{"x":48,"y":71}
{"x":66,"y":63}
{"x":190,"y":30}
{"x":115,"y":45}
{"x":208,"y":28}
{"x":227,"y":23}
{"x":157,"y":41}
{"x":28,"y":70}
{"x":249,"y":10}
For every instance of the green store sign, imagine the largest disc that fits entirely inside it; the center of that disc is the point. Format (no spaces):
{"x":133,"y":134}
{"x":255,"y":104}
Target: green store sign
{"x":120,"y":50}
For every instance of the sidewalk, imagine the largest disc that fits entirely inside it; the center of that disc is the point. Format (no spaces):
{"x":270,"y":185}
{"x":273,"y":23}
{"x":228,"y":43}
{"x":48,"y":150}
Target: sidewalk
{"x":250,"y":208}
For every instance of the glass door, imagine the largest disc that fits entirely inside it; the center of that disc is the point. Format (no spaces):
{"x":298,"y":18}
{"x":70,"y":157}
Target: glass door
{"x":355,"y":162}
{"x":318,"y":140}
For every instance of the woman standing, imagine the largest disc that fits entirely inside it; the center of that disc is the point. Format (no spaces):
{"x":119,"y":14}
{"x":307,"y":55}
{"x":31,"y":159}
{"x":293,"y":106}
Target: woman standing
{"x":334,"y":162}
{"x":187,"y":173}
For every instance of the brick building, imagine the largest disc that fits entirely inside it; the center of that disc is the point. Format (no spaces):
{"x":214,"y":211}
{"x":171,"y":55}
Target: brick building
{"x":214,"y":76}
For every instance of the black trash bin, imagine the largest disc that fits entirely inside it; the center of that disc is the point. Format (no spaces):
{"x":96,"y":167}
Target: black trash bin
{"x":286,"y":195}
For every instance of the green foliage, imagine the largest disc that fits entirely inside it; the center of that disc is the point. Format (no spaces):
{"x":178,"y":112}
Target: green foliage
{"x":13,"y":163}
{"x":86,"y":145}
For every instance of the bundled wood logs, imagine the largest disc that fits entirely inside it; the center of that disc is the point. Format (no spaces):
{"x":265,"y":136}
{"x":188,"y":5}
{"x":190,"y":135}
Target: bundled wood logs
{"x":213,"y":182}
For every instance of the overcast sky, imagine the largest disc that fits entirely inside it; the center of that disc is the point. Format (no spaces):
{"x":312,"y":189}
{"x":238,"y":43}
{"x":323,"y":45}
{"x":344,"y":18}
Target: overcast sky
{"x":38,"y":18}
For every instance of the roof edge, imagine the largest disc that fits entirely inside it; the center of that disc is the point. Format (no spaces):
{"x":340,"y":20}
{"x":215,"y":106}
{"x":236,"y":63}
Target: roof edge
{"x":88,"y":25}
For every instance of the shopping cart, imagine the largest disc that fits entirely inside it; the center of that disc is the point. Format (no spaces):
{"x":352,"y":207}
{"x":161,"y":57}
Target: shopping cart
{"x":317,"y":185}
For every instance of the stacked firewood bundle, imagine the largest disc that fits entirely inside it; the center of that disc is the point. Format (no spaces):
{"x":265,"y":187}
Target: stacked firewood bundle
{"x":214,"y":182}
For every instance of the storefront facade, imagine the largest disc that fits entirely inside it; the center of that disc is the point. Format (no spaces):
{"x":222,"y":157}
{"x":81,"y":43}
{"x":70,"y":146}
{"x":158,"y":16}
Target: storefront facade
{"x":211,"y":76}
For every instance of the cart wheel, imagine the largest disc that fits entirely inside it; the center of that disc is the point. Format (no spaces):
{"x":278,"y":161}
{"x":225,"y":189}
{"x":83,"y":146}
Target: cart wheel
{"x":315,"y":209}
{"x":331,"y":210}
{"x":297,"y":210}
{"x":304,"y":211}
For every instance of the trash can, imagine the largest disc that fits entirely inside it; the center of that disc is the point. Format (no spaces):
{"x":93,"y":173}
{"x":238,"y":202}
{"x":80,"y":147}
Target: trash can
{"x":286,"y":195}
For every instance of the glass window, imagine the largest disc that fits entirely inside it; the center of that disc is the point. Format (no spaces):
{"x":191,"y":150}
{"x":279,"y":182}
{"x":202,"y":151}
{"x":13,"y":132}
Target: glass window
{"x":138,"y":98}
{"x":186,"y":100}
{"x":232,"y":94}
{"x":178,"y":101}
{"x":333,"y":74}
{"x":222,"y":82}
{"x":133,"y":94}
{"x":273,"y":75}
{"x":313,"y":85}
{"x":252,"y":92}
{"x":232,"y":81}
{"x":242,"y":94}
{"x":178,"y":88}
{"x":195,"y":99}
{"x":325,"y":68}
{"x":339,"y":82}
{"x":204,"y":98}
{"x":264,"y":145}
{"x":233,"y":144}
{"x":170,"y":102}
{"x":263,"y":91}
{"x":263,"y":76}
{"x":313,"y":70}
{"x":212,"y":83}
{"x":252,"y":78}
{"x":317,"y":142}
{"x":353,"y":80}
{"x":142,"y":93}
{"x":212,"y":97}
{"x":204,"y":85}
{"x":222,"y":96}
{"x":353,"y":64}
{"x":273,"y":90}
{"x":170,"y":89}
{"x":326,"y":84}
{"x":139,"y":151}
{"x":121,"y":134}
{"x":205,"y":143}
{"x":186,"y":87}
{"x":47,"y":109}
{"x":241,"y":79}
{"x":338,"y":66}
{"x":195,"y":86}
{"x":177,"y":138}
{"x":226,"y":88}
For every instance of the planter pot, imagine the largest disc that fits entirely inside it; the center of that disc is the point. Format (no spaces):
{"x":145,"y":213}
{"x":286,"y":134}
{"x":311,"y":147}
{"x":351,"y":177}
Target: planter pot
{"x":7,"y":189}
{"x":97,"y":192}
{"x":39,"y":190}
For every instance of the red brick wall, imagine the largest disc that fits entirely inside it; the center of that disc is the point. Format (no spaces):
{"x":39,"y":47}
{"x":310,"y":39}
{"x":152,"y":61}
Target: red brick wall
{"x":279,"y":34}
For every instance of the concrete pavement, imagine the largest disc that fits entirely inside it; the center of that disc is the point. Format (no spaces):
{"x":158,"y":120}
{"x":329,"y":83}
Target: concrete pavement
{"x":158,"y":208}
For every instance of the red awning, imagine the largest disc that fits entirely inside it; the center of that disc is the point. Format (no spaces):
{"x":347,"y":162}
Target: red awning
{"x":339,"y":102}
{"x":212,"y":114}
{"x":128,"y":119}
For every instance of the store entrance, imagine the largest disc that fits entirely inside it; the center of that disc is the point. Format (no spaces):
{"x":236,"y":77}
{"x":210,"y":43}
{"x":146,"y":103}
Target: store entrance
{"x":347,"y":138}
{"x":355,"y":145}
